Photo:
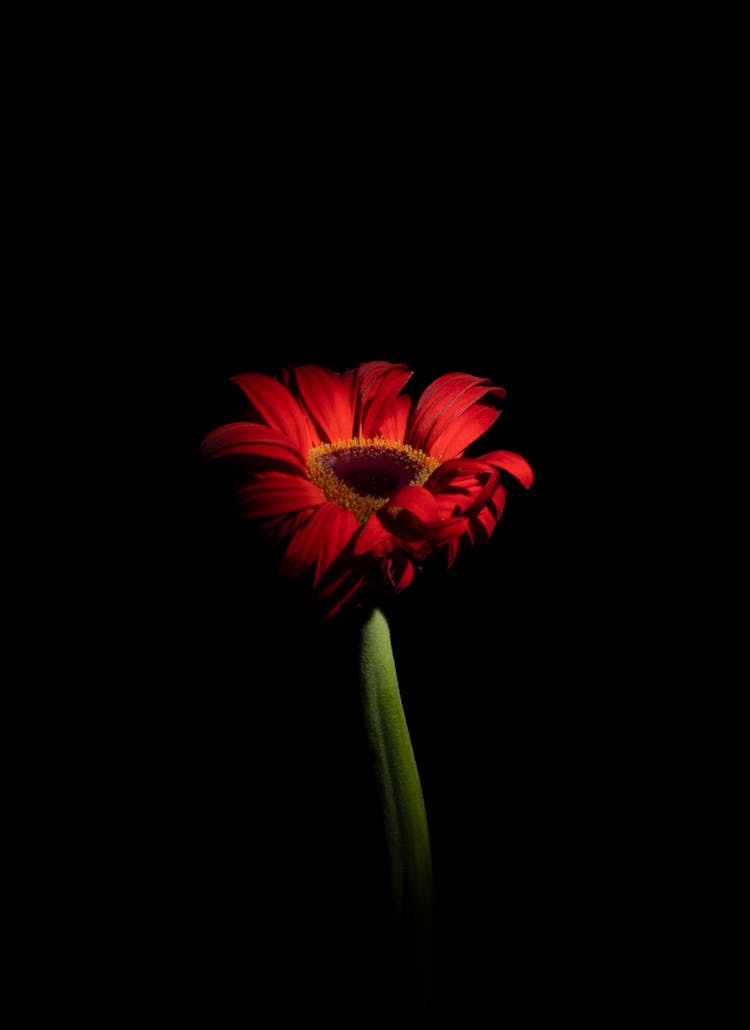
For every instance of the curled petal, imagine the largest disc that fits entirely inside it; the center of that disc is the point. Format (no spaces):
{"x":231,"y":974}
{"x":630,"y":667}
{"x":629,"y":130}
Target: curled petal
{"x":448,"y":504}
{"x":457,"y":474}
{"x":373,"y":538}
{"x":497,"y":504}
{"x":484,"y":494}
{"x":416,"y":500}
{"x":398,"y":571}
{"x":513,"y":463}
{"x":442,"y":532}
{"x":463,"y":486}
{"x":483,"y":525}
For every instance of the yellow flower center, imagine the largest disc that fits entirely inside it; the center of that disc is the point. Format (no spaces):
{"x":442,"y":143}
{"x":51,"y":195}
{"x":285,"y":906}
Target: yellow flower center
{"x":362,"y":475}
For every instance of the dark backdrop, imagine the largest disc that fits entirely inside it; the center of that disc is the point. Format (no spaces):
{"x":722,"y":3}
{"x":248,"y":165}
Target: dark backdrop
{"x":514,"y":204}
{"x":254,"y":864}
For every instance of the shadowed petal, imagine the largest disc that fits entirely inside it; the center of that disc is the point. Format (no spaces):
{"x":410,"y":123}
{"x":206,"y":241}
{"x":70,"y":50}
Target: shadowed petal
{"x":373,"y":538}
{"x":275,"y":493}
{"x":483,"y":524}
{"x":260,"y":442}
{"x":274,"y":405}
{"x":342,"y":589}
{"x":319,"y":542}
{"x":398,"y":571}
{"x":452,"y":548}
{"x":282,"y":527}
{"x":343,"y":578}
{"x":497,"y":504}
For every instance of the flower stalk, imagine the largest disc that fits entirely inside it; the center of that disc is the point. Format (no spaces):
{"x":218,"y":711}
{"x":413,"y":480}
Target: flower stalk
{"x":403,"y":811}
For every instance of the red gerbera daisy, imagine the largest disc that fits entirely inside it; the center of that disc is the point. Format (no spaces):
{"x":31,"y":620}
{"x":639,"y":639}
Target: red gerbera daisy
{"x":357,"y":484}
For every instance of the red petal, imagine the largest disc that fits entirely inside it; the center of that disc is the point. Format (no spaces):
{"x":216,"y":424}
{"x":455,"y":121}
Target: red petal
{"x":405,"y":578}
{"x":343,"y":589}
{"x":274,"y":405}
{"x":267,"y":445}
{"x":442,"y":402}
{"x":463,"y":486}
{"x":339,"y":528}
{"x":450,"y":505}
{"x":482,"y":497}
{"x":456,"y":435}
{"x":378,"y":384}
{"x":327,"y":396}
{"x":418,"y":501}
{"x":373,"y":538}
{"x":282,"y":527}
{"x":398,"y":572}
{"x":393,"y":426}
{"x":453,"y":547}
{"x":497,"y":504}
{"x":457,"y":473}
{"x":484,"y":523}
{"x":320,"y":541}
{"x":440,"y":533}
{"x":276,"y":494}
{"x":513,"y":463}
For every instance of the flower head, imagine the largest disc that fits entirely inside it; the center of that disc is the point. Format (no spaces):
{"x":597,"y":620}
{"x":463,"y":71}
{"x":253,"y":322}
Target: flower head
{"x":358,"y":484}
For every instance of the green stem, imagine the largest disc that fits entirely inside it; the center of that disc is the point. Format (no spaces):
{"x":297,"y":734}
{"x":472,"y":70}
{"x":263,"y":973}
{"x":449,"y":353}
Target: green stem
{"x":404,"y":817}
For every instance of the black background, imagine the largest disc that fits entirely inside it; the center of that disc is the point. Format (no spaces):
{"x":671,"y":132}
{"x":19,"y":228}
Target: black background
{"x":516,"y":202}
{"x":239,"y":847}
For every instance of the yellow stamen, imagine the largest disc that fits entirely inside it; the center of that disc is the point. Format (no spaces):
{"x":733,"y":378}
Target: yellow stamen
{"x":362,"y":474}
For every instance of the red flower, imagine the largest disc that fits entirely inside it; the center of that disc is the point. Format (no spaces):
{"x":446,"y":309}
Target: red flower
{"x":355,"y":483}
